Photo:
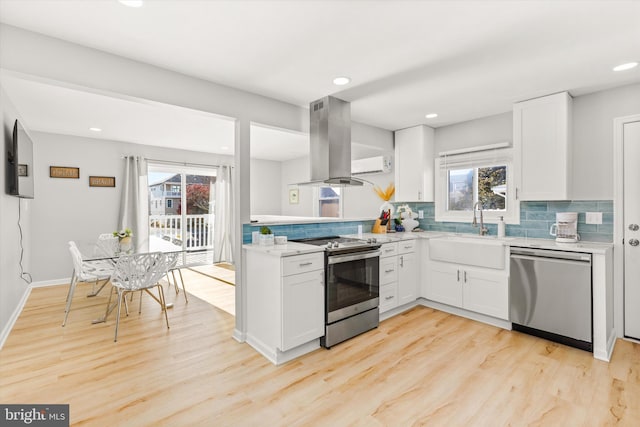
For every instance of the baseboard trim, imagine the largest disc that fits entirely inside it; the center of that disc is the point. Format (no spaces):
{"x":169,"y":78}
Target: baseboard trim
{"x":55,"y":282}
{"x":14,"y":316}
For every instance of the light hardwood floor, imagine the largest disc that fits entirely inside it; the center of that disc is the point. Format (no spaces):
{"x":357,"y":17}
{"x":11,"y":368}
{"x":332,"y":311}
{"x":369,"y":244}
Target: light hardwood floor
{"x":423,"y":367}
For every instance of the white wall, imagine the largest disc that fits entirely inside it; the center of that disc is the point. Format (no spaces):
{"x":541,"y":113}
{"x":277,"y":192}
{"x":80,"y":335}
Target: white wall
{"x":484,"y":131}
{"x":295,"y":171}
{"x":13,"y":289}
{"x":266,"y":187}
{"x":68,"y":209}
{"x":358,"y":202}
{"x":593,"y":116}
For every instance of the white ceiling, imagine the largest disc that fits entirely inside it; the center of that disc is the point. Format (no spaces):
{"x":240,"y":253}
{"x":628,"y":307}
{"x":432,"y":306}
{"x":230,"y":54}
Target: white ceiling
{"x":460,"y":59}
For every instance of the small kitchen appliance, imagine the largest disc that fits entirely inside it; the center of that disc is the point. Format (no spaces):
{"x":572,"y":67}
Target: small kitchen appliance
{"x":565,"y":228}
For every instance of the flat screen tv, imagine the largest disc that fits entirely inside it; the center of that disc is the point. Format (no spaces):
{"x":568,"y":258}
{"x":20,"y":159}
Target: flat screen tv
{"x":19,"y":170}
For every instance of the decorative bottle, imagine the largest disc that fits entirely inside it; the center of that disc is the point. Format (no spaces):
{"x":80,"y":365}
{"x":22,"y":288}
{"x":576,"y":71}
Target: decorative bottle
{"x":501,"y":227}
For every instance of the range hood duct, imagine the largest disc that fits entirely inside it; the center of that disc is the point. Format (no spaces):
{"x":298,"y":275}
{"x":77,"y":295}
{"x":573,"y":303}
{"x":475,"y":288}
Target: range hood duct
{"x":330,"y":142}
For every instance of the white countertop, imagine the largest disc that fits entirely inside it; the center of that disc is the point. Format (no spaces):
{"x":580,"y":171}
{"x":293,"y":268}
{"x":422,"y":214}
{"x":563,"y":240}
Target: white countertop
{"x":294,"y":248}
{"x":288,"y":249}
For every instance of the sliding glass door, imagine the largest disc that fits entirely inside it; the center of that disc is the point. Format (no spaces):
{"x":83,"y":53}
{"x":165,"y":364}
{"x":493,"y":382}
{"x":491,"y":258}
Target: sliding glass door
{"x":181,"y":211}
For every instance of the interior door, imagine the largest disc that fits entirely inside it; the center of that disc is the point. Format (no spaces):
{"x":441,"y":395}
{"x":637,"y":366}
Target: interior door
{"x":631,"y":147}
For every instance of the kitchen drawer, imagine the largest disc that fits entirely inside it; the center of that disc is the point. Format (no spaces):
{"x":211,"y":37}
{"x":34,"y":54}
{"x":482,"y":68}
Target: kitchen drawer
{"x":388,"y":297}
{"x":302,"y":263}
{"x":389,"y":249}
{"x":388,"y":270}
{"x":406,"y":246}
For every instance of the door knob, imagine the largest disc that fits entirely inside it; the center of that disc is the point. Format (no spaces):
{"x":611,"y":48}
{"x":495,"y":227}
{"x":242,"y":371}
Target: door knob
{"x":634,"y":242}
{"x":634,"y":227}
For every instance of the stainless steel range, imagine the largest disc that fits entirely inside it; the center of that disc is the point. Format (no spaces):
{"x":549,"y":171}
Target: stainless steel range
{"x":352,"y":286}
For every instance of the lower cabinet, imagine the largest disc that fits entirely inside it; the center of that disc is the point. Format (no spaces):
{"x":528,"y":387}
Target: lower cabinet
{"x":482,"y":290}
{"x":302,"y":314}
{"x":407,"y":278}
{"x":285,"y":301}
{"x":398,"y":274}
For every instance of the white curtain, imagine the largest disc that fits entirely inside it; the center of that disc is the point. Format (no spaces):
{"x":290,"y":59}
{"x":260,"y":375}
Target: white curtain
{"x":223,"y":222}
{"x":134,"y":204}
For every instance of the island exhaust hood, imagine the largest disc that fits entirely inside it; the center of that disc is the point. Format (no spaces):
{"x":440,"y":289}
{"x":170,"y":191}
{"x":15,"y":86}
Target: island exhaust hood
{"x":330,"y":143}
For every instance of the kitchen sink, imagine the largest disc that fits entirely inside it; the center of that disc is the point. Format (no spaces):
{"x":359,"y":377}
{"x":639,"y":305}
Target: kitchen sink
{"x":481,"y":251}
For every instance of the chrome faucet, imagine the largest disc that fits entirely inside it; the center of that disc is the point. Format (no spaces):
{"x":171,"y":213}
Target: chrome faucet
{"x":483,"y":230}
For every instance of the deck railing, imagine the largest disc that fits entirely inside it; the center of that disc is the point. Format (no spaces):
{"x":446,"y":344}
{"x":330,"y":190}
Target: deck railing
{"x":197,"y":231}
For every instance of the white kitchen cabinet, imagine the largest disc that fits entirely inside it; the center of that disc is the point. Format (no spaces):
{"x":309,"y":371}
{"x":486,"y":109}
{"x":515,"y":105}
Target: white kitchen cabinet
{"x":388,"y":277}
{"x":542,"y":147}
{"x":398,"y":274}
{"x":481,"y":290}
{"x":486,"y":291}
{"x":285,"y":302}
{"x":414,"y":164}
{"x":407,"y":272}
{"x":444,"y":283}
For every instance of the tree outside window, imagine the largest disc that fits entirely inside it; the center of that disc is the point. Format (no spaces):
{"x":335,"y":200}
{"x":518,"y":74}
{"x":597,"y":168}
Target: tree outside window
{"x":486,"y":185}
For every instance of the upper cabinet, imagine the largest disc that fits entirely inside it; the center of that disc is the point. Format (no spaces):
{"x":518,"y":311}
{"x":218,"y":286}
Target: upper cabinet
{"x":414,"y":163}
{"x":542,"y":147}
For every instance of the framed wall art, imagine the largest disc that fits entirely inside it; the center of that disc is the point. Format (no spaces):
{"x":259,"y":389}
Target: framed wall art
{"x":64,"y":172}
{"x":102,"y":181}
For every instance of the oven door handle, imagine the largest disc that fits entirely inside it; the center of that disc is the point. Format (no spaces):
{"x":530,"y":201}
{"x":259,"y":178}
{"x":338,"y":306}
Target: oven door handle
{"x":337,"y":259}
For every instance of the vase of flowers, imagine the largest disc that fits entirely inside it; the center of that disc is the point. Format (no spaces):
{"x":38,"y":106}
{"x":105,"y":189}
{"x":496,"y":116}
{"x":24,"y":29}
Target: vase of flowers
{"x":407,"y":217}
{"x":124,"y":239}
{"x":386,"y":195}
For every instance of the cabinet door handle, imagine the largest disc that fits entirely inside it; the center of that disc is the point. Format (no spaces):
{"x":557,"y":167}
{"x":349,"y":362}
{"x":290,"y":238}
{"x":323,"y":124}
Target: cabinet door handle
{"x":465,"y":277}
{"x":304,"y":264}
{"x":389,"y":271}
{"x":401,"y":261}
{"x":388,"y":250}
{"x":419,"y":195}
{"x":458,"y":275}
{"x":389,"y":297}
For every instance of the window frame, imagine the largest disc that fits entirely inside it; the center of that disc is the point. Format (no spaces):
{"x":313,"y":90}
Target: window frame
{"x":317,"y":199}
{"x":475,"y":160}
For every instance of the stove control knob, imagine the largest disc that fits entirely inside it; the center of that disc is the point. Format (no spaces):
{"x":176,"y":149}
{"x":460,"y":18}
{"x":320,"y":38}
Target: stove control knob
{"x":374,"y":240}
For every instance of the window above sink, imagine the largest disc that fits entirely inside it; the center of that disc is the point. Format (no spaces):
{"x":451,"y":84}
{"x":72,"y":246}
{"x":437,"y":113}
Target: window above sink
{"x":486,"y":177}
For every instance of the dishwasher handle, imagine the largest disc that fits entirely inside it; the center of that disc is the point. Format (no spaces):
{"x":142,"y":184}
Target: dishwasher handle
{"x":525,"y":253}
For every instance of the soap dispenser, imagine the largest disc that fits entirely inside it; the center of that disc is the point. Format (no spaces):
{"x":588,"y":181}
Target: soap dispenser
{"x":501,"y":227}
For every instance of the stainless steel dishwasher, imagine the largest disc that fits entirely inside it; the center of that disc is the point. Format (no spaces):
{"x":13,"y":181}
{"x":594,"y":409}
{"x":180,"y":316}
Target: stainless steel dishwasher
{"x":550,"y":295}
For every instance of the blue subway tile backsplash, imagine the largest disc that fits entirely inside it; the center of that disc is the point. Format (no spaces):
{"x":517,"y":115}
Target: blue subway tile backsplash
{"x":535,"y":220}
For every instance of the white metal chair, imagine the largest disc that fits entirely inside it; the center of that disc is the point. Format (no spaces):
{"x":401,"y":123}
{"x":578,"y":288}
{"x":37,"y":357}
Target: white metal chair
{"x":84,"y":272}
{"x":138,"y":272}
{"x":172,"y":267}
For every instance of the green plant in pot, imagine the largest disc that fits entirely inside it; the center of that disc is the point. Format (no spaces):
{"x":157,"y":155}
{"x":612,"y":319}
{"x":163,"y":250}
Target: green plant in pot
{"x":266,"y":236}
{"x":265,"y":230}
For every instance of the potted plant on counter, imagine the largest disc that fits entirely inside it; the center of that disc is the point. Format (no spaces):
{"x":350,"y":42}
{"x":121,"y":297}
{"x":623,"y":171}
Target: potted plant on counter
{"x":266,"y":236}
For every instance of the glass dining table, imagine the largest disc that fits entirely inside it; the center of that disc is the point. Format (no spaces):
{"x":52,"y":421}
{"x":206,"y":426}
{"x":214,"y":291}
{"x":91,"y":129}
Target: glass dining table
{"x":110,"y":252}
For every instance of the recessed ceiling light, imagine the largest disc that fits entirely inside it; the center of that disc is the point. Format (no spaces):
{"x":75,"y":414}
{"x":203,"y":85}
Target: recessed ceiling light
{"x":431,"y":116}
{"x":95,"y":129}
{"x":132,"y":3}
{"x":341,"y":81}
{"x":627,"y":66}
